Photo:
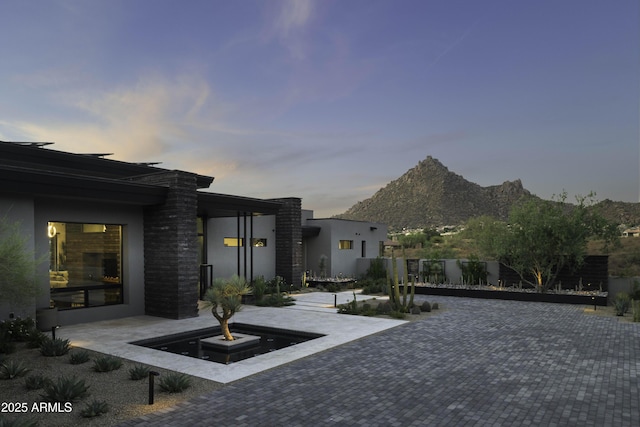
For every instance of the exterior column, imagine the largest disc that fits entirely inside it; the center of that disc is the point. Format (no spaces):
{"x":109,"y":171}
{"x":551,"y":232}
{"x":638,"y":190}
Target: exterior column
{"x":171,"y":248}
{"x":289,"y":240}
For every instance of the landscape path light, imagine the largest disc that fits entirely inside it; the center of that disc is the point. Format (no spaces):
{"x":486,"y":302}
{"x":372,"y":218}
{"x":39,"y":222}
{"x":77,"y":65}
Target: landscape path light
{"x":152,"y":375}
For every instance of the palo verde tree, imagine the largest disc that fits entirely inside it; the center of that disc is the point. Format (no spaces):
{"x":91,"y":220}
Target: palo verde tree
{"x":542,"y":237}
{"x":18,"y":279}
{"x":224,"y":298}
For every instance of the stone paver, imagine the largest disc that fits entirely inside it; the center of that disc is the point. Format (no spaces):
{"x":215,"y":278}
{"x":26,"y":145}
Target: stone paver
{"x":480,"y":362}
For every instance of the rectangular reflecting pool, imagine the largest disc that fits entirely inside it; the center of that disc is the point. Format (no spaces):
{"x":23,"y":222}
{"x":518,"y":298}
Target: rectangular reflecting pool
{"x":198,"y":343}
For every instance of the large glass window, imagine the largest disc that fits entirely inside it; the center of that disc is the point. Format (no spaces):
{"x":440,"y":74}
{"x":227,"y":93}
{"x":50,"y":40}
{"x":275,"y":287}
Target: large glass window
{"x":85,"y":264}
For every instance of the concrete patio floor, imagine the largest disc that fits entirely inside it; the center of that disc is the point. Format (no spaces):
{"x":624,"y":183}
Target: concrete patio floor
{"x":313,"y":312}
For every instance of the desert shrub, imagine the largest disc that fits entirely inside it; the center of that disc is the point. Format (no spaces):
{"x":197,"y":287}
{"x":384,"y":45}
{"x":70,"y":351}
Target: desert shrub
{"x":174,"y":382}
{"x":435,"y":306}
{"x":425,"y":306}
{"x":94,"y":408}
{"x":415,"y":310}
{"x":106,"y":364}
{"x":373,"y":286}
{"x":259,"y":288}
{"x":79,"y":357}
{"x":54,"y":348}
{"x":36,"y":338}
{"x":65,"y":389}
{"x":138,"y":372}
{"x":36,"y":382}
{"x":621,"y":303}
{"x":383,"y":308}
{"x":17,"y":329}
{"x":376,"y":270}
{"x":11,"y":369}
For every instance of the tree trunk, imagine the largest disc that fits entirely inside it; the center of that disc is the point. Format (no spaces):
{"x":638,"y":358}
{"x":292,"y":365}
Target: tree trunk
{"x":224,"y":326}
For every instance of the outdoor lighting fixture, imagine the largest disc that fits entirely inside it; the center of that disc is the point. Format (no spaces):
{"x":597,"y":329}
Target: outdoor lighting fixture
{"x":53,"y":332}
{"x":335,"y":300}
{"x":594,"y":303}
{"x":51,"y":231}
{"x":152,"y":375}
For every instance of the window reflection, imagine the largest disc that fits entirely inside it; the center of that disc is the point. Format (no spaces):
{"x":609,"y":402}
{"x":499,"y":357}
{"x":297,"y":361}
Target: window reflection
{"x":85,"y":264}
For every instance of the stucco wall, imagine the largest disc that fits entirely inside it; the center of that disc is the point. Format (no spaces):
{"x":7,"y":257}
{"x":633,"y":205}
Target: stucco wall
{"x":342,"y":261}
{"x":225,"y":259}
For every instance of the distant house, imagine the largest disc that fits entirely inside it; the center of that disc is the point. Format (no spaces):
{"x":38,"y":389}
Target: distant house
{"x":125,"y":239}
{"x":631,"y":232}
{"x":342,"y":242}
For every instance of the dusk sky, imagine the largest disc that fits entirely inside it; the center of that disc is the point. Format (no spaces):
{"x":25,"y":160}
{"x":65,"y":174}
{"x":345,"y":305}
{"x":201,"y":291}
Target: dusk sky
{"x":330,"y":100}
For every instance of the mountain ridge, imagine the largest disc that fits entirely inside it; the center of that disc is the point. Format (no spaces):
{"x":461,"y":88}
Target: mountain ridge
{"x":429,"y":195}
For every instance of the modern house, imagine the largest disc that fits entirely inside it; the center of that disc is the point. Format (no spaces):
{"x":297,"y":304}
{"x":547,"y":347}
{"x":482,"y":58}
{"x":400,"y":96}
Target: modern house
{"x":123,"y":239}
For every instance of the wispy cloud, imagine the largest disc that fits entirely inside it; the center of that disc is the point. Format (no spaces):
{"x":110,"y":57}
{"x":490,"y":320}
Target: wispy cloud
{"x":290,"y":23}
{"x":136,"y":122}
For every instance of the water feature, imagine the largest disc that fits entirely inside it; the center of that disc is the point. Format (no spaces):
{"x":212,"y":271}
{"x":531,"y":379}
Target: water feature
{"x":199,"y":343}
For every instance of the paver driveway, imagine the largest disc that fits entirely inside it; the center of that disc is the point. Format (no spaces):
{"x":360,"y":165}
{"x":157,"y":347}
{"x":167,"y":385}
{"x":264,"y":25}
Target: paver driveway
{"x":480,"y":362}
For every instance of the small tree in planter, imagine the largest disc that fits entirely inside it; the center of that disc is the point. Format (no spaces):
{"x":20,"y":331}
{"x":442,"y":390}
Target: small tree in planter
{"x":226,"y":295}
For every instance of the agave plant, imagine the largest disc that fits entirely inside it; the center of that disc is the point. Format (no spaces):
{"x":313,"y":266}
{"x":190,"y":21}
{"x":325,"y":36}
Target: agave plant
{"x":55,"y":347}
{"x":106,"y":364}
{"x":11,"y":369}
{"x":65,"y":389}
{"x":175,"y":382}
{"x":95,"y":408}
{"x":139,"y":372}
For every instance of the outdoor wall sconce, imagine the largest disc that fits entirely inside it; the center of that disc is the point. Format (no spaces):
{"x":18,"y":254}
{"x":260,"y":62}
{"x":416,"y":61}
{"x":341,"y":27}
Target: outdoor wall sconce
{"x":51,"y":231}
{"x":152,"y":375}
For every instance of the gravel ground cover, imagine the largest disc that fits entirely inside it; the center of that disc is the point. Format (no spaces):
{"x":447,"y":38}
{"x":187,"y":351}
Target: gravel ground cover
{"x":126,"y":398}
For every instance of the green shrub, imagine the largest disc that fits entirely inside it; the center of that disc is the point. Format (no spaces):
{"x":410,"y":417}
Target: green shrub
{"x":79,"y":357}
{"x":17,"y":329}
{"x":373,"y":286}
{"x":65,"y":389}
{"x":54,"y":348}
{"x":36,"y":338}
{"x":376,"y":270}
{"x":106,"y":364}
{"x":383,"y":308}
{"x":435,"y":306}
{"x":36,"y":382}
{"x":174,"y":382}
{"x":259,"y":288}
{"x":621,"y":303}
{"x":139,"y":372}
{"x":11,"y":369}
{"x":425,"y":306}
{"x":95,"y":408}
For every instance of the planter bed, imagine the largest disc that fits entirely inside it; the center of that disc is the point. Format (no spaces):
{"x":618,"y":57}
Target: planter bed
{"x":515,"y":295}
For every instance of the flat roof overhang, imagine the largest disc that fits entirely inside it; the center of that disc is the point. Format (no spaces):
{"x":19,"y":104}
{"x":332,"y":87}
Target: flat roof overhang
{"x":49,"y":160}
{"x":214,"y":205}
{"x":55,"y":184}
